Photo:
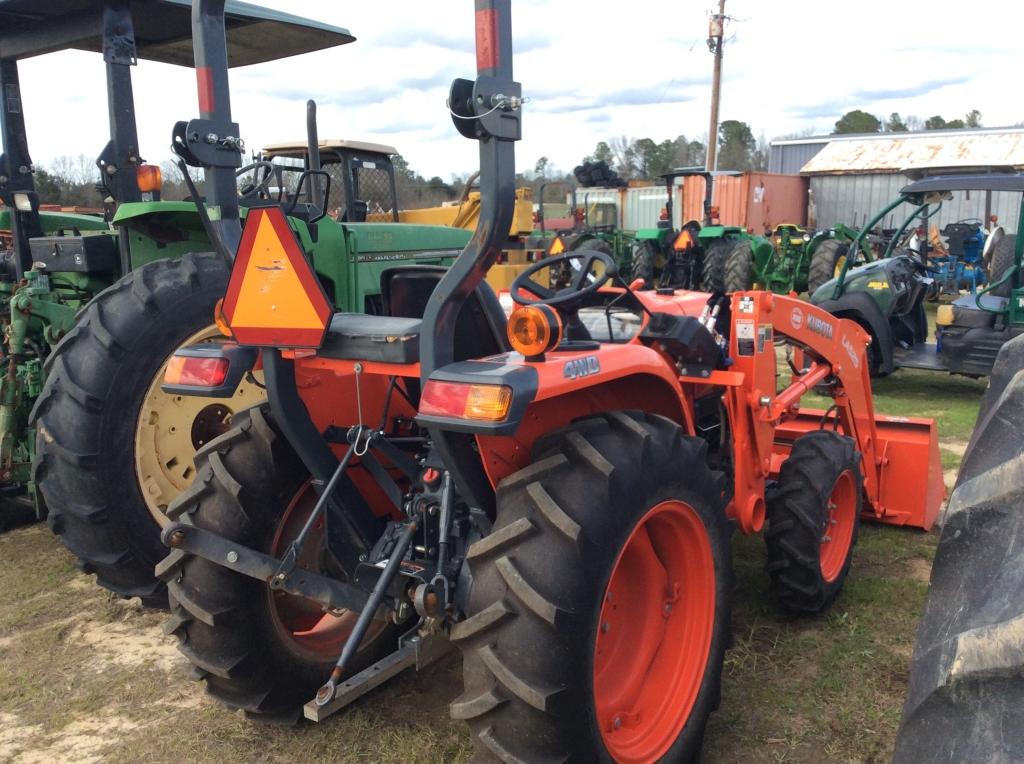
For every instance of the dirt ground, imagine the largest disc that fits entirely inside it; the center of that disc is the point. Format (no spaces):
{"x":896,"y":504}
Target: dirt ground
{"x":86,"y":678}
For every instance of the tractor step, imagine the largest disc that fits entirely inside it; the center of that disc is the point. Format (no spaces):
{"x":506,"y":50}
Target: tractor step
{"x":416,"y":651}
{"x":924,"y":356}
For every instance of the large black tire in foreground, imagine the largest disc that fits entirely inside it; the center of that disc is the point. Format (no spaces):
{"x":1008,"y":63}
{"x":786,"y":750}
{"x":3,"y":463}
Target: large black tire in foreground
{"x":611,"y":543}
{"x":739,"y":267}
{"x":824,"y":261}
{"x":966,"y":696}
{"x":1002,"y":259}
{"x":713,"y":277}
{"x":262,"y":651}
{"x":87,"y":415}
{"x":813,"y":518}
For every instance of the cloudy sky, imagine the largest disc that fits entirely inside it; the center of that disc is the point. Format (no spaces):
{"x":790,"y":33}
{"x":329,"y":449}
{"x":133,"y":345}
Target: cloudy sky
{"x":593,"y":70}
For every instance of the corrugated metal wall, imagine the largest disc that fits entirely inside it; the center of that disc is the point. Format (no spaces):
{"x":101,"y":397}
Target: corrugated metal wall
{"x":789,"y":158}
{"x":855,"y":199}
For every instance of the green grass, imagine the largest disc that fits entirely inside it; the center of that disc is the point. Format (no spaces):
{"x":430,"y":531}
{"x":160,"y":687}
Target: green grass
{"x":795,"y":689}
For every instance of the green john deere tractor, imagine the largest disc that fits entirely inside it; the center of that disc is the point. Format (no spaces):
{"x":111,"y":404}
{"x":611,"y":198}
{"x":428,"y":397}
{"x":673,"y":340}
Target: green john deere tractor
{"x":111,"y":448}
{"x":886,"y":296}
{"x":791,"y":260}
{"x":567,"y":227}
{"x":691,"y":258}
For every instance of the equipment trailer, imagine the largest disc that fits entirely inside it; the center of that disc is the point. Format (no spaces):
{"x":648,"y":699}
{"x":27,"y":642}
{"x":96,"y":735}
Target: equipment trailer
{"x":531,"y":489}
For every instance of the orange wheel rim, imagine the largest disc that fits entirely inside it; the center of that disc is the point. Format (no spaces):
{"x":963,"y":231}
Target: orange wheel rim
{"x":842,"y":512}
{"x":307,"y":630}
{"x":654,"y":634}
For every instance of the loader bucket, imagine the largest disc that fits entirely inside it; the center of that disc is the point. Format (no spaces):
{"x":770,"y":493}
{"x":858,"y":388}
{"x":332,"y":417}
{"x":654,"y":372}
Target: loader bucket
{"x":909,"y":449}
{"x":967,"y":671}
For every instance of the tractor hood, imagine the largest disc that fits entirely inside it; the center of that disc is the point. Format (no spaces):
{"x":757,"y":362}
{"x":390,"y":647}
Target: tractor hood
{"x":163,"y":30}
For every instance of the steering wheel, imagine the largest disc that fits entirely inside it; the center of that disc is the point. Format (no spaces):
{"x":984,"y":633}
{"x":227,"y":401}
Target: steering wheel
{"x":584,"y":282}
{"x":260,"y":190}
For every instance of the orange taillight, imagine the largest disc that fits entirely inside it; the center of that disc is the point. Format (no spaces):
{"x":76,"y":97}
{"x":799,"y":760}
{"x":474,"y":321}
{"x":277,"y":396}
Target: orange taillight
{"x":534,"y":329}
{"x":461,"y":400}
{"x":193,"y":371}
{"x":149,"y":178}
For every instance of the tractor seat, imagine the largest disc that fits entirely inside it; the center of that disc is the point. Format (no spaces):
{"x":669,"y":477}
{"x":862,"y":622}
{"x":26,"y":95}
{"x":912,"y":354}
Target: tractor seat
{"x":395,"y":337}
{"x":966,"y":313}
{"x":360,"y":337}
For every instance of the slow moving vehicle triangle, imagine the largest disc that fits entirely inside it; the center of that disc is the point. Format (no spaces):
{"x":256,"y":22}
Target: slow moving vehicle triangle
{"x":273,"y":298}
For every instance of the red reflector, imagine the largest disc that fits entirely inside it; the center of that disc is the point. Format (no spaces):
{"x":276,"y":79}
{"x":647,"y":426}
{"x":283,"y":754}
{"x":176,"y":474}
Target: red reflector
{"x":196,"y":372}
{"x":487,"y":53}
{"x":204,"y":85}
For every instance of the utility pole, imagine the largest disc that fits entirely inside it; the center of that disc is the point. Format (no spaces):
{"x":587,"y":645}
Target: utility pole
{"x":716,"y":31}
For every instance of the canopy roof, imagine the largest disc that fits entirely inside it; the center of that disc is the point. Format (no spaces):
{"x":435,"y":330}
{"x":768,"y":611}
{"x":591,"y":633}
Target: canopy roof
{"x":163,"y":30}
{"x":298,"y":149}
{"x":979,"y":182}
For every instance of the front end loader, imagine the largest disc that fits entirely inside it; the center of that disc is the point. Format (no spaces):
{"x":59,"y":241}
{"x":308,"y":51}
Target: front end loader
{"x":531,"y":488}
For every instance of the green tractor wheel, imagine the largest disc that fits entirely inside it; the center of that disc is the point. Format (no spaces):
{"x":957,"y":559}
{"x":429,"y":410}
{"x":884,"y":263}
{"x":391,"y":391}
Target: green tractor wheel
{"x":826,"y":262}
{"x":644,"y":261}
{"x":112,"y":450}
{"x":739,"y":268}
{"x":713,"y":277}
{"x":1002,"y":259}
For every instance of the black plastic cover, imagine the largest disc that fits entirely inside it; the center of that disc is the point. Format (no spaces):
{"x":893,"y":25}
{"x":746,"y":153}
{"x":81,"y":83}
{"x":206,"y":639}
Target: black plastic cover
{"x":359,"y":337}
{"x":75,"y":254}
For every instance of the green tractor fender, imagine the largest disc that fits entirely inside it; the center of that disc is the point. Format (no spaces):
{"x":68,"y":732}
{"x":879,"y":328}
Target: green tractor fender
{"x":860,"y":308}
{"x":660,"y":236}
{"x":763,"y":252}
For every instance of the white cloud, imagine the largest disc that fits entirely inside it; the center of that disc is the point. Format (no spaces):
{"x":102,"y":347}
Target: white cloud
{"x":593,"y":70}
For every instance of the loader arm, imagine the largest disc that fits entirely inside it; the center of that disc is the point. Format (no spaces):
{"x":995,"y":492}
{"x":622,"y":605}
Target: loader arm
{"x":831,"y":352}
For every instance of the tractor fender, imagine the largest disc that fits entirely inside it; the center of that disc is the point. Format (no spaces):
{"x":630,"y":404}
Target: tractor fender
{"x":859,"y":307}
{"x":644,"y":390}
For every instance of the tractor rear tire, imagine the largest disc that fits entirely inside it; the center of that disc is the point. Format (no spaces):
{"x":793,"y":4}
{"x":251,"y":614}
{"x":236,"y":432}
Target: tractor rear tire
{"x":824,"y":261}
{"x":813,"y":519}
{"x":551,"y":634}
{"x":1002,"y":260}
{"x":87,"y":415}
{"x":966,"y":686}
{"x":645,"y":257}
{"x":713,"y":277}
{"x":231,"y":627}
{"x":739,"y":268}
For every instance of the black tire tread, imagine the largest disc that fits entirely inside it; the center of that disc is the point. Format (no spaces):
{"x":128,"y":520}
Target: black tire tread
{"x":523,"y":634}
{"x":69,"y":417}
{"x":823,"y":263}
{"x":739,"y":268}
{"x":713,"y":277}
{"x":797,"y":518}
{"x":1002,"y":259}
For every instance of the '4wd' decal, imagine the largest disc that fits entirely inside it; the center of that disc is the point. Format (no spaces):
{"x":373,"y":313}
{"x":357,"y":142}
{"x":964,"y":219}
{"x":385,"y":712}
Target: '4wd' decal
{"x":581,"y":367}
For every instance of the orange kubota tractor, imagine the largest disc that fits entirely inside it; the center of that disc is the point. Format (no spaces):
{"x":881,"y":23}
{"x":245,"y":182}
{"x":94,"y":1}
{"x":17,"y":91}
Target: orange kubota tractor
{"x":553,"y":492}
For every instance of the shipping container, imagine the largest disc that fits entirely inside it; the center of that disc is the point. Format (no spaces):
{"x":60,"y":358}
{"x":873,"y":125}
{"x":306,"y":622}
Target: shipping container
{"x":755,"y":200}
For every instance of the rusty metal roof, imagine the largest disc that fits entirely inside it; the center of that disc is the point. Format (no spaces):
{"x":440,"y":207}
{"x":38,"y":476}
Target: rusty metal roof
{"x":948,"y":150}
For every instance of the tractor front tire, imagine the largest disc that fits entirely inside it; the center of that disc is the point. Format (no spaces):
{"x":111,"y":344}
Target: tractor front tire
{"x":1002,"y":260}
{"x":599,"y":611}
{"x":266,"y":652}
{"x":813,"y":519}
{"x":739,"y":268}
{"x":713,"y":277}
{"x":825,"y":260}
{"x":643,"y":266}
{"x":87,"y":417}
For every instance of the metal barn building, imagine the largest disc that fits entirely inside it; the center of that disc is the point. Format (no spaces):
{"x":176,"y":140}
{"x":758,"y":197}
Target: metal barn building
{"x":852,"y":177}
